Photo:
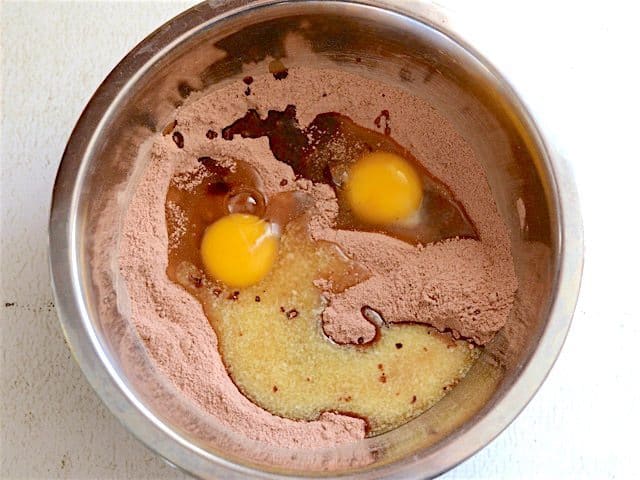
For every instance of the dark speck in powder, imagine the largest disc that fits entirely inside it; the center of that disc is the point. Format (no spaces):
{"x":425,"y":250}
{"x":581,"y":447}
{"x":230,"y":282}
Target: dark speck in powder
{"x":178,"y":139}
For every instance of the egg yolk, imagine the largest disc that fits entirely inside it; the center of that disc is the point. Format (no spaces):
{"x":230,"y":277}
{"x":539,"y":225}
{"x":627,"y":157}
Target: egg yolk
{"x":239,"y":249}
{"x":383,"y":188}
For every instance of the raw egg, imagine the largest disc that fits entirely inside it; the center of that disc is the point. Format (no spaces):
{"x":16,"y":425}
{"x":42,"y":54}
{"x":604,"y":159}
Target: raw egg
{"x":383,"y":188}
{"x":239,"y":249}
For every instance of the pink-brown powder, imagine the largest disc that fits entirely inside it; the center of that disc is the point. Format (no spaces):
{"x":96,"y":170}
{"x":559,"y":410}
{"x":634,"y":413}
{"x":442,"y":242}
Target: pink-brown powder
{"x":465,"y":286}
{"x":450,"y":285}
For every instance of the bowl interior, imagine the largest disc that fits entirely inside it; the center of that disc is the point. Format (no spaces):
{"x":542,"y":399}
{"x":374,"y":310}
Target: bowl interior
{"x":369,"y":41}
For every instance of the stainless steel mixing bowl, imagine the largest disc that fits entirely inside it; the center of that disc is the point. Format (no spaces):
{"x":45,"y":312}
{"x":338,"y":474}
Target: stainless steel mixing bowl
{"x":211,"y":44}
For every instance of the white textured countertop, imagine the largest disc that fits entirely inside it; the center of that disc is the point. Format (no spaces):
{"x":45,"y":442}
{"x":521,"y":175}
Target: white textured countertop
{"x":576,"y":64}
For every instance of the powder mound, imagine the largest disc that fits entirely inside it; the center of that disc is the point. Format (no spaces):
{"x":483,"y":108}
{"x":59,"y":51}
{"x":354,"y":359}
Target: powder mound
{"x":449,"y":285}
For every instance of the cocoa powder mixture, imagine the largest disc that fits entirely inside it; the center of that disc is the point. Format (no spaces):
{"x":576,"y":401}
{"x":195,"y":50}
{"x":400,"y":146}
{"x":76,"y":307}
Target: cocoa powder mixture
{"x":461,"y":286}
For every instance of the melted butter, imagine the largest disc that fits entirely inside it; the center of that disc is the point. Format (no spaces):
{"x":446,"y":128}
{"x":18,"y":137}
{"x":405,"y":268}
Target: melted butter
{"x":276,"y":353}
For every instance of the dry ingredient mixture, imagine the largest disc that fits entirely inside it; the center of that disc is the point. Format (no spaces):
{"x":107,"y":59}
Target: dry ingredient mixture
{"x":346,"y":322}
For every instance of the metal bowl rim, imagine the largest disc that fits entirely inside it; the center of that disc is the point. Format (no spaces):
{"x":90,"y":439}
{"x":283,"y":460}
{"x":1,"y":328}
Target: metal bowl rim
{"x":139,"y":420}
